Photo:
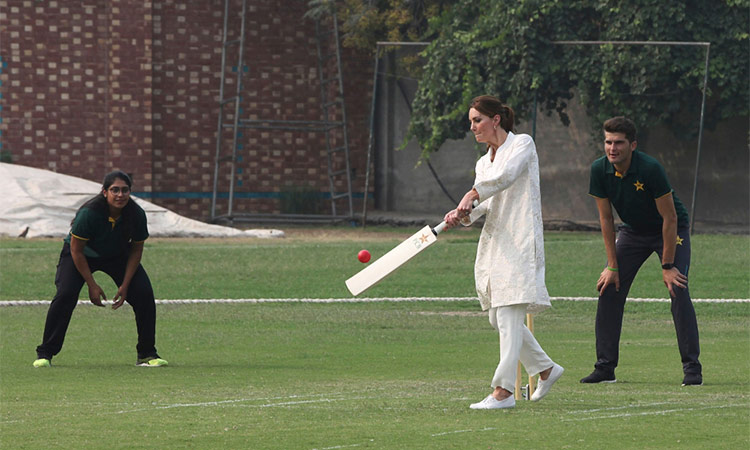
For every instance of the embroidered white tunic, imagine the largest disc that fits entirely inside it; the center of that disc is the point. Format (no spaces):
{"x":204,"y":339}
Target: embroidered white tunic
{"x":509,"y":267}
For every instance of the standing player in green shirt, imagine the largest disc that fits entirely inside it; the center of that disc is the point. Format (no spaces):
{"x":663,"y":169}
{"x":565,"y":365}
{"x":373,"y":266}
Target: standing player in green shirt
{"x":654,"y":220}
{"x":107,"y":234}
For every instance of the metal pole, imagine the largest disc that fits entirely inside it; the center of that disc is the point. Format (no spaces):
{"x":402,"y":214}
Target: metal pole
{"x":238,"y":97}
{"x":217,"y":160}
{"x":533,"y":127}
{"x":343,"y":112}
{"x":699,"y":44}
{"x":372,"y":115}
{"x":700,"y":138}
{"x":370,"y":142}
{"x":400,"y":44}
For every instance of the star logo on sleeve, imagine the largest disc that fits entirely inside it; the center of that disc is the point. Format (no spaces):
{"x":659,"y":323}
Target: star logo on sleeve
{"x":638,"y":186}
{"x":679,"y":240}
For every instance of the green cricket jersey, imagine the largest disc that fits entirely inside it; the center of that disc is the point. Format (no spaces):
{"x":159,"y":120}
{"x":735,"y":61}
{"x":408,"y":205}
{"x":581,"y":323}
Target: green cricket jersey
{"x":104,"y":235}
{"x":633,"y":195}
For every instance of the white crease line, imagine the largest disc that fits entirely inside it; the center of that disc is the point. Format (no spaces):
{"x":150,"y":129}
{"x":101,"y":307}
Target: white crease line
{"x":243,"y":400}
{"x":342,"y":446}
{"x":462,"y":431}
{"x":642,"y":405}
{"x":649,"y":413}
{"x":302,"y":402}
{"x":188,"y":405}
{"x":223,"y":402}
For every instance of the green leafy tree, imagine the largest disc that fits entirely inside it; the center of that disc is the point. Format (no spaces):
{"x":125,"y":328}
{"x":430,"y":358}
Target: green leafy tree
{"x":506,"y":49}
{"x":367,"y":21}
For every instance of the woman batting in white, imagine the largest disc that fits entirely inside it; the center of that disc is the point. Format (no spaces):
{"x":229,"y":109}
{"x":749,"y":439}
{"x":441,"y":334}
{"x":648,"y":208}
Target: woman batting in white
{"x":509,"y":269}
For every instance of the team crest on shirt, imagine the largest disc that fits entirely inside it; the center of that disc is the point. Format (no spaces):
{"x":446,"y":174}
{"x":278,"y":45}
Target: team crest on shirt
{"x":638,"y":186}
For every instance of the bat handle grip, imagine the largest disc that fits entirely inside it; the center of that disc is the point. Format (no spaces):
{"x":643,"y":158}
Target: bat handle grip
{"x":438,"y":228}
{"x":441,"y":226}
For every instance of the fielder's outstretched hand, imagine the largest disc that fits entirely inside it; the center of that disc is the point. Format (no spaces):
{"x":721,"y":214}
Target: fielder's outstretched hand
{"x":96,"y":295}
{"x":119,"y":298}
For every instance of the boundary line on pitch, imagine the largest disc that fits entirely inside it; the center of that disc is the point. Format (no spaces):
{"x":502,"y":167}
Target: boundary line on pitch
{"x":366,"y":300}
{"x":659,"y":412}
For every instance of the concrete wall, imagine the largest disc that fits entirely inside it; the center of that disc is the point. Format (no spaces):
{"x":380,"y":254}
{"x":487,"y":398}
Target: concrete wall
{"x":402,"y":183}
{"x":565,"y":155}
{"x":76,"y":86}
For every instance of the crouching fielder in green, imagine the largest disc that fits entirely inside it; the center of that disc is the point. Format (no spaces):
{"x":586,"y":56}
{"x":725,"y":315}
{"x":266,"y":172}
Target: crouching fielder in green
{"x":107,"y":234}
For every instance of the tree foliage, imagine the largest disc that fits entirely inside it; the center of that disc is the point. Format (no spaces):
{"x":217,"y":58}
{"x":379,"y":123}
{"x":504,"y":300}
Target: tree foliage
{"x":367,"y":21}
{"x":507,"y":49}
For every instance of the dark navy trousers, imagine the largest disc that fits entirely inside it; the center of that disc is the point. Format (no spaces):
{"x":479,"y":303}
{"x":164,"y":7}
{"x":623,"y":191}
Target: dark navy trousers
{"x":69,"y":283}
{"x":633,"y":249}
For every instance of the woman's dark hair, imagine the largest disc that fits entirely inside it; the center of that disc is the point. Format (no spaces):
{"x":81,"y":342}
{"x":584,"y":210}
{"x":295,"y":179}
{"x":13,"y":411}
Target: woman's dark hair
{"x":492,"y":106}
{"x":99,"y":202}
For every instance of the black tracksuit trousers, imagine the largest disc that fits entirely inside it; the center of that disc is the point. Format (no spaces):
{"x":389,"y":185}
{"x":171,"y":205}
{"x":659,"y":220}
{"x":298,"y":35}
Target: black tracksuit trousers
{"x":69,"y":283}
{"x":632,"y":251}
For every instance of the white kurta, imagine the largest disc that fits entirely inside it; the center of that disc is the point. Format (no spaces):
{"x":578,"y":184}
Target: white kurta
{"x":509,"y":266}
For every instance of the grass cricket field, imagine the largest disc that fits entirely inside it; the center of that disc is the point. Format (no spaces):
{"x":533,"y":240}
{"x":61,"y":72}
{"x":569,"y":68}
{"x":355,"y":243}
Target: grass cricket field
{"x":295,"y":374}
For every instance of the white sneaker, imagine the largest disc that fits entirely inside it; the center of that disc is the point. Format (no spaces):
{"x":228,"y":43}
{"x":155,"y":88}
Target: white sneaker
{"x":491,"y":403}
{"x":544,"y":385}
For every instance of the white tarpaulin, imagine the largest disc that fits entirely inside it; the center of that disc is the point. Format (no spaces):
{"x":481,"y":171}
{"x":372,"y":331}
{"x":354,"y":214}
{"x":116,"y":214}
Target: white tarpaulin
{"x":41,"y":203}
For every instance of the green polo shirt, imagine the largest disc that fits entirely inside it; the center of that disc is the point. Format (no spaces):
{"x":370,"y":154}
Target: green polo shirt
{"x":104,"y":235}
{"x":633,"y":196}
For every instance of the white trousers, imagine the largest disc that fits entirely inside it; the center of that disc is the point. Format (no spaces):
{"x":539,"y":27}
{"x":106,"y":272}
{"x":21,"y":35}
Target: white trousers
{"x":516,"y":344}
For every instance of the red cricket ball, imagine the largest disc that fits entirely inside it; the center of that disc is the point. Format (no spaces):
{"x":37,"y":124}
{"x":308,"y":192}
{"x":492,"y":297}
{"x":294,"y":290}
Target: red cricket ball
{"x":363,"y":256}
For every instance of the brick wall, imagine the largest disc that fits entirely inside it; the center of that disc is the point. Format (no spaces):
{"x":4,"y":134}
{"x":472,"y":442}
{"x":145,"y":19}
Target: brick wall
{"x":91,"y":86}
{"x":187,"y":64}
{"x":128,"y":102}
{"x":55,"y":86}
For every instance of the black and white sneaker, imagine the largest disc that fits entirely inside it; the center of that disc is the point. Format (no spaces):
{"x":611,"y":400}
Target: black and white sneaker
{"x":598,"y":376}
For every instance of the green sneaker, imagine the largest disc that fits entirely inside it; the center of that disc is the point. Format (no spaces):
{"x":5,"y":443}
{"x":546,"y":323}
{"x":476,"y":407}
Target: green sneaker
{"x":42,"y":362}
{"x":151,"y":361}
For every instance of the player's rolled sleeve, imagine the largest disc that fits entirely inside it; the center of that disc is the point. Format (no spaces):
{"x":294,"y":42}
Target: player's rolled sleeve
{"x":140,"y":231}
{"x":596,"y":181}
{"x":659,"y":182}
{"x":83,"y":227}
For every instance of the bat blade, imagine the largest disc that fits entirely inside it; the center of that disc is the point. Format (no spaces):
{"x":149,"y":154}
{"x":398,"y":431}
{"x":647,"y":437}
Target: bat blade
{"x":388,"y":263}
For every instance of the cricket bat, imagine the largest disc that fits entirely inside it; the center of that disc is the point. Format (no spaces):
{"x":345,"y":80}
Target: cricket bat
{"x":388,"y":263}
